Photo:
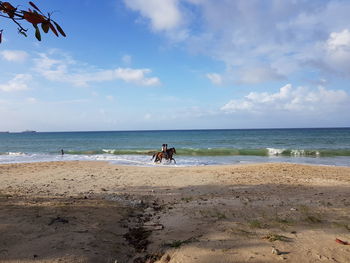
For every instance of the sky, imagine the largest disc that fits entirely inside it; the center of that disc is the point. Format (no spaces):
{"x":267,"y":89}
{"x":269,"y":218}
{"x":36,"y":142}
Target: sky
{"x":178,"y":64}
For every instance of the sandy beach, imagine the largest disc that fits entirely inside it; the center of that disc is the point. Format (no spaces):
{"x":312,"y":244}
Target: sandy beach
{"x":98,"y":212}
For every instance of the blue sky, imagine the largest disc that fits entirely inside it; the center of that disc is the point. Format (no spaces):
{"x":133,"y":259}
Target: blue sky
{"x":179,"y":64}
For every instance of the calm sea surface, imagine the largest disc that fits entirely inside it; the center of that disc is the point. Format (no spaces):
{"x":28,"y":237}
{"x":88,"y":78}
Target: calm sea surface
{"x":328,"y":146}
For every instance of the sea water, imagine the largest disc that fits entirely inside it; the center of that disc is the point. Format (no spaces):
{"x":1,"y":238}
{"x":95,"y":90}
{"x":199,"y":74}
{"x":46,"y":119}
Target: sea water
{"x":322,"y":146}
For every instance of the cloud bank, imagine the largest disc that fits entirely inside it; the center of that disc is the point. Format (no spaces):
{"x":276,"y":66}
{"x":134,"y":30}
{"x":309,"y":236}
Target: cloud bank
{"x":293,"y":100}
{"x":18,"y":83}
{"x":258,"y":41}
{"x":14,"y":55}
{"x":62,"y":68}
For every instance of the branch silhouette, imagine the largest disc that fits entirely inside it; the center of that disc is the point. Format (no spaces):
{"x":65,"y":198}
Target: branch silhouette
{"x":32,"y":16}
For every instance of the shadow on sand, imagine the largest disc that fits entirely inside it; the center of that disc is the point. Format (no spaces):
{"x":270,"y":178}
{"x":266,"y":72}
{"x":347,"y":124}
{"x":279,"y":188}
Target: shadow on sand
{"x":207,"y":223}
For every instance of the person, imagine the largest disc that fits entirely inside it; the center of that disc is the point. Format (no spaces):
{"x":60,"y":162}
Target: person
{"x":62,"y":152}
{"x":164,"y":150}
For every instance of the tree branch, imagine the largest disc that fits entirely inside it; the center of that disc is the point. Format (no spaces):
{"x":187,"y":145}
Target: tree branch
{"x":35,"y":17}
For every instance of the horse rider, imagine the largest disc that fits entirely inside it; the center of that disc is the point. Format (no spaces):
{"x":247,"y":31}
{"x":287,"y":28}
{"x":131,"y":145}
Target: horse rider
{"x":164,"y":150}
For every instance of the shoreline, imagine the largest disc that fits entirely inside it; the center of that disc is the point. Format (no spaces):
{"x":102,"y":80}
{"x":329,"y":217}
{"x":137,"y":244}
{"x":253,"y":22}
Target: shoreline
{"x":188,"y":161}
{"x":172,"y":165}
{"x":94,"y":211}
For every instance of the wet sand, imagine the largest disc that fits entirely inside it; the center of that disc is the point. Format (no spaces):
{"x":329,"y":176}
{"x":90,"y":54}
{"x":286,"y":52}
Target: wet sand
{"x":98,"y":212}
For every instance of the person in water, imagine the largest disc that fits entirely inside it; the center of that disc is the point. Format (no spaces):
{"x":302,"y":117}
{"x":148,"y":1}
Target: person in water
{"x":62,"y":152}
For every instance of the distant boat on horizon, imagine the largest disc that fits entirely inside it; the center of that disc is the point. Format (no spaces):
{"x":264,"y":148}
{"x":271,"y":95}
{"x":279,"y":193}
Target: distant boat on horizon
{"x":28,"y":131}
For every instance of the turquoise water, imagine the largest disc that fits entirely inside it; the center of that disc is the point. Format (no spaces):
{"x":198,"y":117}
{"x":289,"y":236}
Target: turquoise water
{"x":328,"y":146}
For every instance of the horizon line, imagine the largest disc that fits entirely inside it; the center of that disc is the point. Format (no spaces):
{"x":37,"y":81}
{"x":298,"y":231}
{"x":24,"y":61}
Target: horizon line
{"x":165,"y":130}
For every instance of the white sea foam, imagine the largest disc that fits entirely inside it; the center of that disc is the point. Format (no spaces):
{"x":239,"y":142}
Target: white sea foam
{"x":274,"y":151}
{"x":297,"y":153}
{"x":181,"y":161}
{"x":111,"y":151}
{"x":16,"y":153}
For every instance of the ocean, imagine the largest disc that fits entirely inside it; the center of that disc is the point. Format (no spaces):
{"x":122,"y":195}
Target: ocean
{"x":321,"y":146}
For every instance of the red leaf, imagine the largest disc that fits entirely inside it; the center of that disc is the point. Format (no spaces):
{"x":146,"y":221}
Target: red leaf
{"x":8,"y":6}
{"x":33,"y":18}
{"x":8,"y":9}
{"x":33,"y":5}
{"x":45,"y":26}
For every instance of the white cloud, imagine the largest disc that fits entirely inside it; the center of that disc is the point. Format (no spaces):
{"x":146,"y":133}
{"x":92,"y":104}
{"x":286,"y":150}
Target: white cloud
{"x":163,"y":14}
{"x":18,"y":83}
{"x":339,"y":40}
{"x":272,"y":39}
{"x":215,"y":78}
{"x":134,"y":75}
{"x":338,"y":52}
{"x":65,"y":69}
{"x":289,"y":99}
{"x":14,"y":55}
{"x":53,"y":69}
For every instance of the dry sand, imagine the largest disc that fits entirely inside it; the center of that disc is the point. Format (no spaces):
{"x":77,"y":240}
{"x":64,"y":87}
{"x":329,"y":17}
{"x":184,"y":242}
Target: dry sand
{"x":98,"y":212}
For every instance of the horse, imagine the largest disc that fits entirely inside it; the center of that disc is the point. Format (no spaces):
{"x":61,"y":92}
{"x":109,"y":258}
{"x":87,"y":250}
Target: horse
{"x":168,"y":156}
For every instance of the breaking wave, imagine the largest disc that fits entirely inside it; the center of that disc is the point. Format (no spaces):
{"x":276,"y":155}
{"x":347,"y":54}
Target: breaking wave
{"x":12,"y":153}
{"x":224,"y":152}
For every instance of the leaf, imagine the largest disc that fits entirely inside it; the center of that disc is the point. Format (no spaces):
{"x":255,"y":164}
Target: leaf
{"x":33,"y":18}
{"x":37,"y":33}
{"x":59,"y":29}
{"x":8,"y":9}
{"x":53,"y":29}
{"x":8,"y":6}
{"x":33,"y":5}
{"x":45,"y":26}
